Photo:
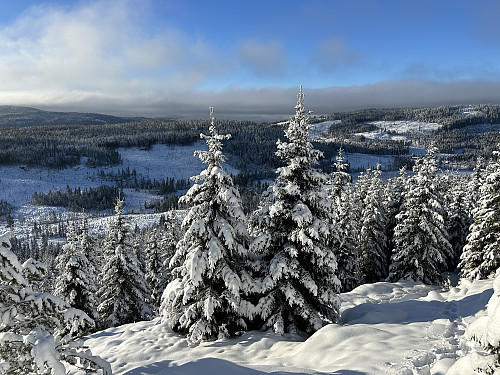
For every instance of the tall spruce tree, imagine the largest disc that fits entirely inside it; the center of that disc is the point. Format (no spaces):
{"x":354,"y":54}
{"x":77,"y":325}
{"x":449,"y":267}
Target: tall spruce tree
{"x":372,"y":238}
{"x":421,"y":247}
{"x":481,"y":256}
{"x":124,"y":293}
{"x":205,"y":299}
{"x":155,"y":269}
{"x":459,"y":217}
{"x":75,"y":283}
{"x":344,"y":237}
{"x":293,"y":225}
{"x":394,"y":193}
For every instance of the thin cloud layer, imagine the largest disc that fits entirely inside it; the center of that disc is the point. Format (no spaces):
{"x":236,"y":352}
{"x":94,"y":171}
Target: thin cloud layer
{"x":332,"y":54}
{"x":263,"y":58}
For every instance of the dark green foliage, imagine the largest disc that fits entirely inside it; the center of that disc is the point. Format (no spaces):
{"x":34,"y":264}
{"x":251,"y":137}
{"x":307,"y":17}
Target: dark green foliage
{"x":91,"y":199}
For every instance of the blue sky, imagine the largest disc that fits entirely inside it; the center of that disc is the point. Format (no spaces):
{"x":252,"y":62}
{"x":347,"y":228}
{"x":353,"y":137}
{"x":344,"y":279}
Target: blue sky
{"x":161,"y":57}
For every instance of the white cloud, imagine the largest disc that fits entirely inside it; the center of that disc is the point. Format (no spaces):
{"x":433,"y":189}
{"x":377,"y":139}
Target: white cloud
{"x":98,"y":49}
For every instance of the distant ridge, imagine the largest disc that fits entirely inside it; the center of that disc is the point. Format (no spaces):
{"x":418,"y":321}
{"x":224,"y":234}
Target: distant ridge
{"x":26,"y":116}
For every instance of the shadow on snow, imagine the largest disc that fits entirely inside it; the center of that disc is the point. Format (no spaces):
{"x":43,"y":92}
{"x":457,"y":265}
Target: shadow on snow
{"x":215,"y":366}
{"x":412,"y":311}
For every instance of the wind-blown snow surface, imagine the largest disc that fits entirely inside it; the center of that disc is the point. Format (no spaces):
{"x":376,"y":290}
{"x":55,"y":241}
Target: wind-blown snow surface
{"x":389,"y":328}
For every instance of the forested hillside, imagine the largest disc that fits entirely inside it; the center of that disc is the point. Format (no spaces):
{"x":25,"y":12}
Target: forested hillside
{"x":215,"y":270}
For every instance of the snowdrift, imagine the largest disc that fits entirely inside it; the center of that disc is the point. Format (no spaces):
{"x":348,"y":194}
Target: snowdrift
{"x":388,"y":328}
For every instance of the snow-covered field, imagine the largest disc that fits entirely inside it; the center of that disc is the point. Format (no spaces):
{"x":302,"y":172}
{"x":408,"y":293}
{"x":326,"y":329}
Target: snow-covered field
{"x":388,"y":328}
{"x":321,"y":128}
{"x":17,"y":184}
{"x":405,"y":126}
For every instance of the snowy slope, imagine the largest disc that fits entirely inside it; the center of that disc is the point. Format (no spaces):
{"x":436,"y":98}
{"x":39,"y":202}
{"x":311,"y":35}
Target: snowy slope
{"x":17,"y":184}
{"x":389,"y":328}
{"x":406,"y":126}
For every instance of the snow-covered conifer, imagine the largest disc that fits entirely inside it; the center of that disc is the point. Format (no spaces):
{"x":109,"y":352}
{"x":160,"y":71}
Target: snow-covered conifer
{"x":155,"y":268}
{"x":372,"y":238}
{"x":481,"y":255}
{"x":394,"y":193}
{"x":37,"y":330}
{"x":75,"y":283}
{"x":124,"y":292}
{"x":205,"y":298}
{"x":293,"y":225}
{"x":421,"y":247}
{"x":458,"y":218}
{"x":171,"y":234}
{"x":344,"y":238}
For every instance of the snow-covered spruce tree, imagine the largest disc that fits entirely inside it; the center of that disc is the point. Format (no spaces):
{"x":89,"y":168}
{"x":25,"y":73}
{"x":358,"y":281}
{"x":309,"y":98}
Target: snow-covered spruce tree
{"x":75,"y":283}
{"x":38,"y":330}
{"x":171,"y":234}
{"x":481,"y":256}
{"x":421,"y":247}
{"x":458,"y":218}
{"x":394,"y":193}
{"x":155,"y":268}
{"x":372,"y":238}
{"x":343,"y":237}
{"x":205,"y":298}
{"x":293,"y":225}
{"x":124,"y":292}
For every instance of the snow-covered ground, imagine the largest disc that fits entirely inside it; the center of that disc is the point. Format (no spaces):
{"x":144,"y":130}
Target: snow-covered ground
{"x":405,"y":126}
{"x":17,"y":184}
{"x":163,"y":161}
{"x":321,"y":128}
{"x":388,"y":328}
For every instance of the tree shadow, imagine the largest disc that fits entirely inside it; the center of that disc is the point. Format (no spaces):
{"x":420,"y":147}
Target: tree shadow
{"x":412,"y":311}
{"x":217,"y":366}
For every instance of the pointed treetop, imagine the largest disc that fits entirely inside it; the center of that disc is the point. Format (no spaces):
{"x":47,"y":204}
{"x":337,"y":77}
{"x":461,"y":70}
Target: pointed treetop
{"x":212,"y":121}
{"x":300,"y":98}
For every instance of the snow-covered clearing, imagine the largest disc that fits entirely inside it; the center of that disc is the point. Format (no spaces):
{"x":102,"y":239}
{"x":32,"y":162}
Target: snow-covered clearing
{"x":359,"y":162}
{"x":389,"y":328}
{"x":163,"y":161}
{"x":17,"y":184}
{"x":379,"y":135}
{"x":321,"y":128}
{"x":405,"y":126}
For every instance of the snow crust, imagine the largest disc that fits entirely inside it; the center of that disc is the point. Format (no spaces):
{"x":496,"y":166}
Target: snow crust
{"x":388,"y":328}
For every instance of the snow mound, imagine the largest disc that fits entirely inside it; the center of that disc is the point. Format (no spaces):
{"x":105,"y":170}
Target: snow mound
{"x":388,"y":328}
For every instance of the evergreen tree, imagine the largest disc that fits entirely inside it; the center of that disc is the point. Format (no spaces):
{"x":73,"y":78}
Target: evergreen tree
{"x":395,"y":191}
{"x":75,"y":283}
{"x":37,"y":330}
{"x":155,"y":269}
{"x":481,"y":256}
{"x":124,"y":291}
{"x":421,"y":247}
{"x":170,"y":236}
{"x":205,"y":299}
{"x":344,"y":238}
{"x":293,"y":225}
{"x":458,"y":216}
{"x":372,"y":238}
